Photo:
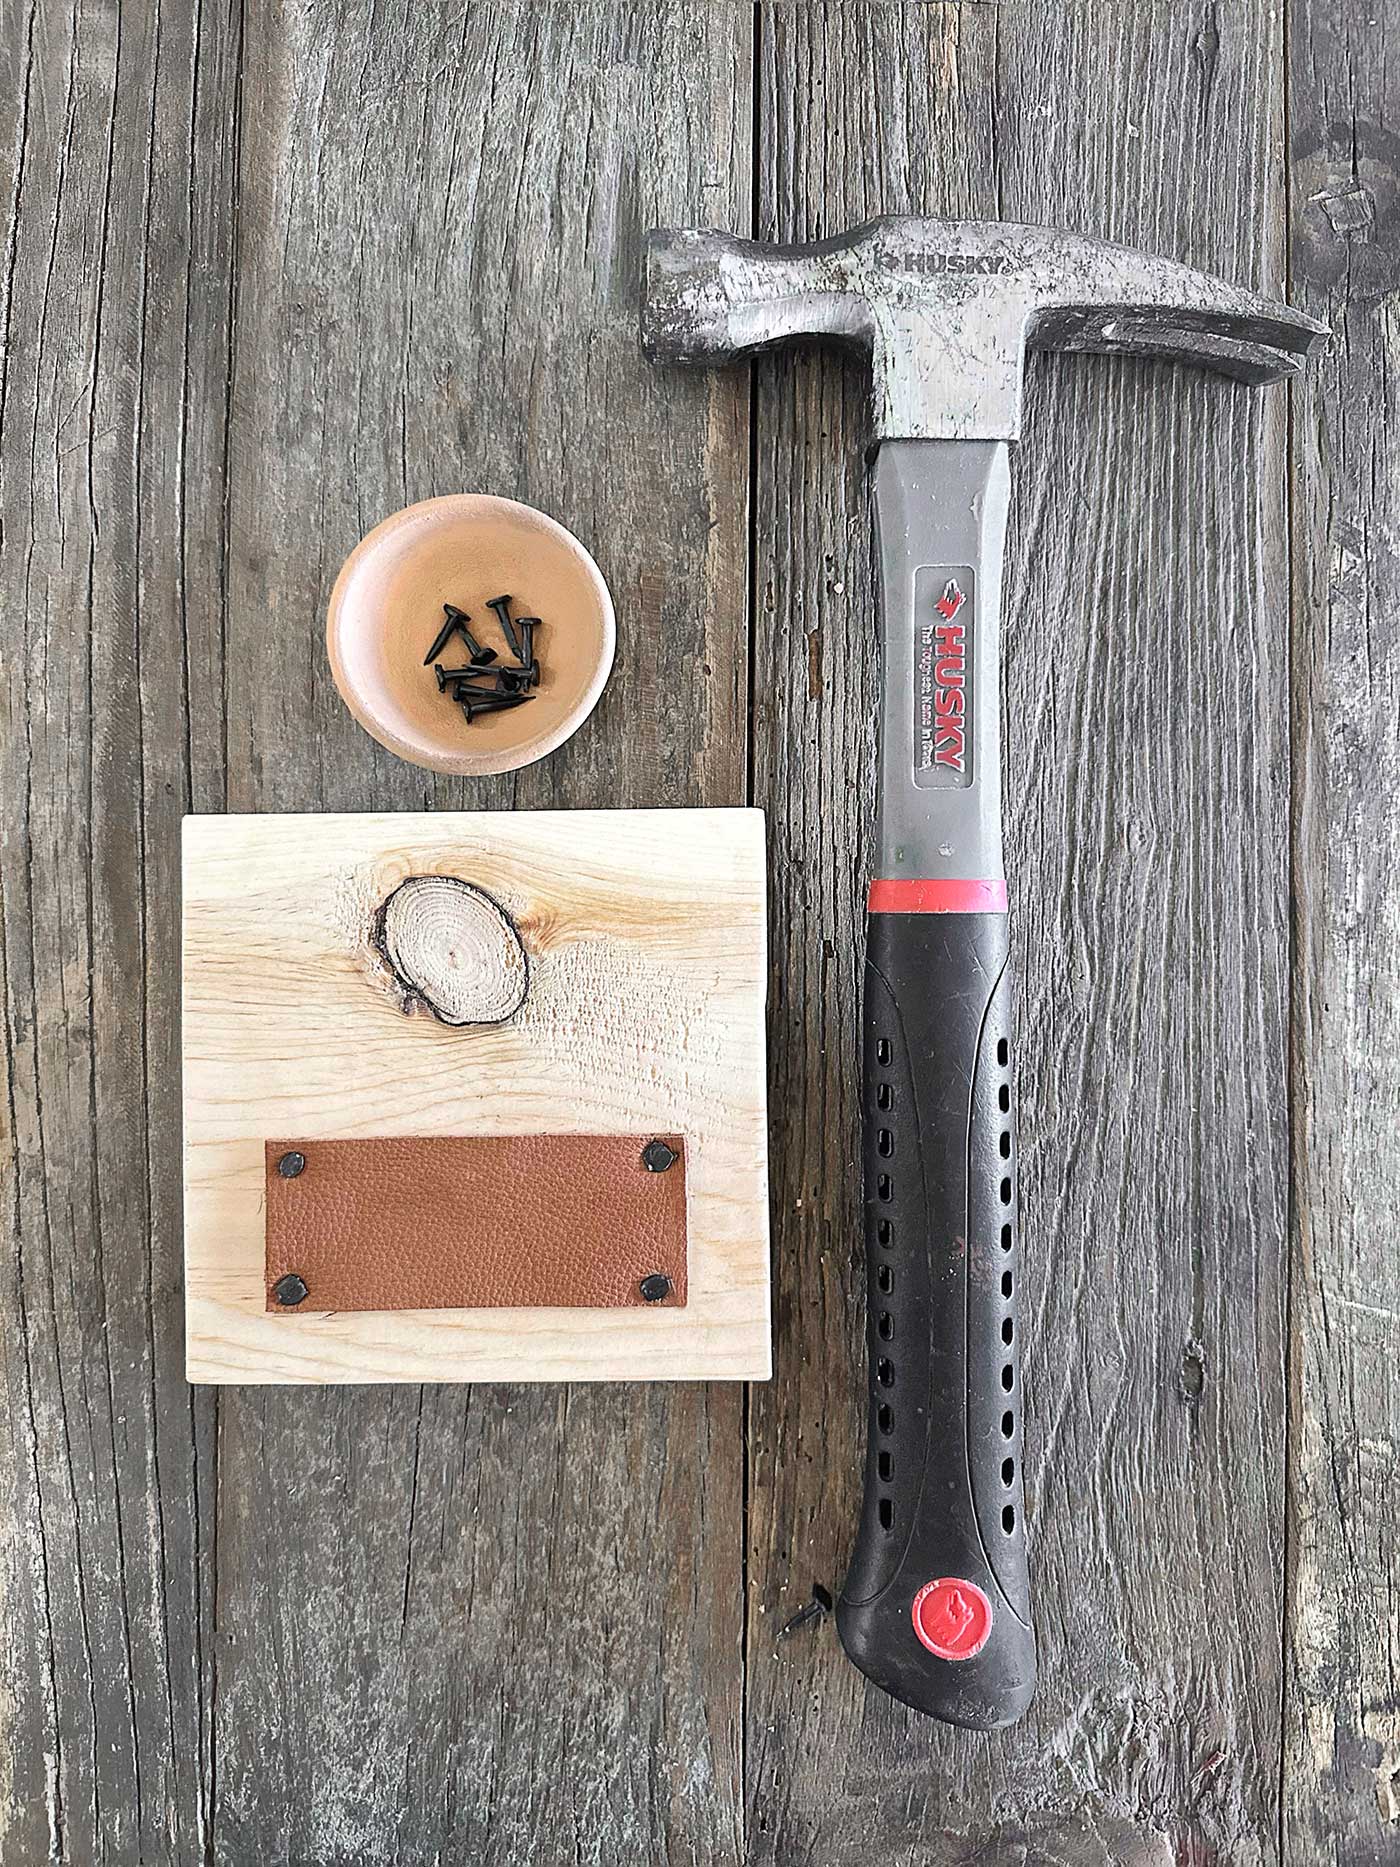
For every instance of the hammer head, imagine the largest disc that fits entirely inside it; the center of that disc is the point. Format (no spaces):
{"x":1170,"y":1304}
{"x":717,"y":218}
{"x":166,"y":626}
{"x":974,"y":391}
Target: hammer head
{"x":946,"y":311}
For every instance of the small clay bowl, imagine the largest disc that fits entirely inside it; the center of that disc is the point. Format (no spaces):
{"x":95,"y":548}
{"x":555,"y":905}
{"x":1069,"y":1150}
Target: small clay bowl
{"x":387,"y":608}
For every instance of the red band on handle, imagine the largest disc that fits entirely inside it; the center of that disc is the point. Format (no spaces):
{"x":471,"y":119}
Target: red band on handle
{"x":929,"y":895}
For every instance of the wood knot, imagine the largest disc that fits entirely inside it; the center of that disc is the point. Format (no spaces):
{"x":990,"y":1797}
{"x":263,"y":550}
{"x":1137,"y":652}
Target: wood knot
{"x":1191,"y":1379}
{"x":452,"y":946}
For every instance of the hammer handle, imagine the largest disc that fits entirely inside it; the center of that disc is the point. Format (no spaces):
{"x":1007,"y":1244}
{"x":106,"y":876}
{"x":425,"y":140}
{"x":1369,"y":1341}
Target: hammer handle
{"x":935,"y":1607}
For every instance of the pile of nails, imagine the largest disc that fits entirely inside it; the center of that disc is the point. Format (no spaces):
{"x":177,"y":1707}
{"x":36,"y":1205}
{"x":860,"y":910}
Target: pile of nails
{"x":481,"y":687}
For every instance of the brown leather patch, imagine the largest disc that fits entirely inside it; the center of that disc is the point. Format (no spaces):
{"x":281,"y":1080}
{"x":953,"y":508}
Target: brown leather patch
{"x":541,"y":1221}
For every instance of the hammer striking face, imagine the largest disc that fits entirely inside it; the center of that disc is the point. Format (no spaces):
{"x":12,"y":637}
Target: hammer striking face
{"x":936,"y":1603}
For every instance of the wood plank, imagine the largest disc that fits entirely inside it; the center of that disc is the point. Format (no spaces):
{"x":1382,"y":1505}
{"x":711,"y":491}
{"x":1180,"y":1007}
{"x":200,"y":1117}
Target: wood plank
{"x":646,"y":950}
{"x":1342,"y":1719}
{"x":1147,"y":718}
{"x":119,"y":215}
{"x":503,"y":1625}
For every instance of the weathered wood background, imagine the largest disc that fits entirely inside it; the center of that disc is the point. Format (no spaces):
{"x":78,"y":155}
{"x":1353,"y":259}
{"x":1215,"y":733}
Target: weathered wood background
{"x":276,"y":267}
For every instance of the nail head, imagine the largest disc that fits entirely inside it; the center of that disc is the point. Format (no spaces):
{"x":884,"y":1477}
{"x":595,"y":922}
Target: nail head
{"x":291,"y":1165}
{"x":289,"y":1290}
{"x":657,"y":1157}
{"x":656,"y":1287}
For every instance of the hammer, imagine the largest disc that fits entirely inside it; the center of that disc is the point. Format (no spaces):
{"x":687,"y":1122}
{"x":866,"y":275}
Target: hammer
{"x":936,"y":1603}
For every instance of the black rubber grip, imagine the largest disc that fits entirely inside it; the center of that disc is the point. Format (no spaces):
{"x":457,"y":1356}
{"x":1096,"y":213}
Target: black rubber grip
{"x":941,"y":1546}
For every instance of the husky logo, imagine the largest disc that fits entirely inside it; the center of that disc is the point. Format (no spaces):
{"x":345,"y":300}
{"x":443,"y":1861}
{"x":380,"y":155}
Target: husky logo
{"x":950,"y":682}
{"x":943,"y":679}
{"x":960,"y":265}
{"x":951,"y":600}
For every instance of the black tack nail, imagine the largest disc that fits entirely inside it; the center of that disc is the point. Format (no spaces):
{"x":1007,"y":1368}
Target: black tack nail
{"x":810,"y":1611}
{"x":289,"y":1290}
{"x":501,"y":605}
{"x":443,"y":636}
{"x":657,"y":1157}
{"x":655,"y":1287}
{"x":291,"y":1164}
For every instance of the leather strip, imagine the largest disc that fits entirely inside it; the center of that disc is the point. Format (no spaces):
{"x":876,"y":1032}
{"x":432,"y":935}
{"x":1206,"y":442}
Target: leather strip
{"x":935,"y":895}
{"x":565,"y":1221}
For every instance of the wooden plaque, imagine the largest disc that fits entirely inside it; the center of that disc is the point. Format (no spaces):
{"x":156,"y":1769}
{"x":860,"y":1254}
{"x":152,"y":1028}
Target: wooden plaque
{"x":633,"y":1004}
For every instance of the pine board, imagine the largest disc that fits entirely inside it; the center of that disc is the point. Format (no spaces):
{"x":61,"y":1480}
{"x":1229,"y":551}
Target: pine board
{"x":1341,"y":1766}
{"x":644,"y":938}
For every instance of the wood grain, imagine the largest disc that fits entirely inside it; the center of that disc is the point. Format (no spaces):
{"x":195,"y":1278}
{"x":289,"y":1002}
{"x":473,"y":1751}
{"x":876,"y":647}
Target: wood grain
{"x":119,"y":158}
{"x":647,"y":955}
{"x":1148,"y":875}
{"x":1341,"y":1768}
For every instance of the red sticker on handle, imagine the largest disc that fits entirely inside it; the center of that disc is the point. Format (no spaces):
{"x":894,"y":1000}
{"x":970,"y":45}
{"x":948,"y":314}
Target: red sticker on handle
{"x":952,"y":1618}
